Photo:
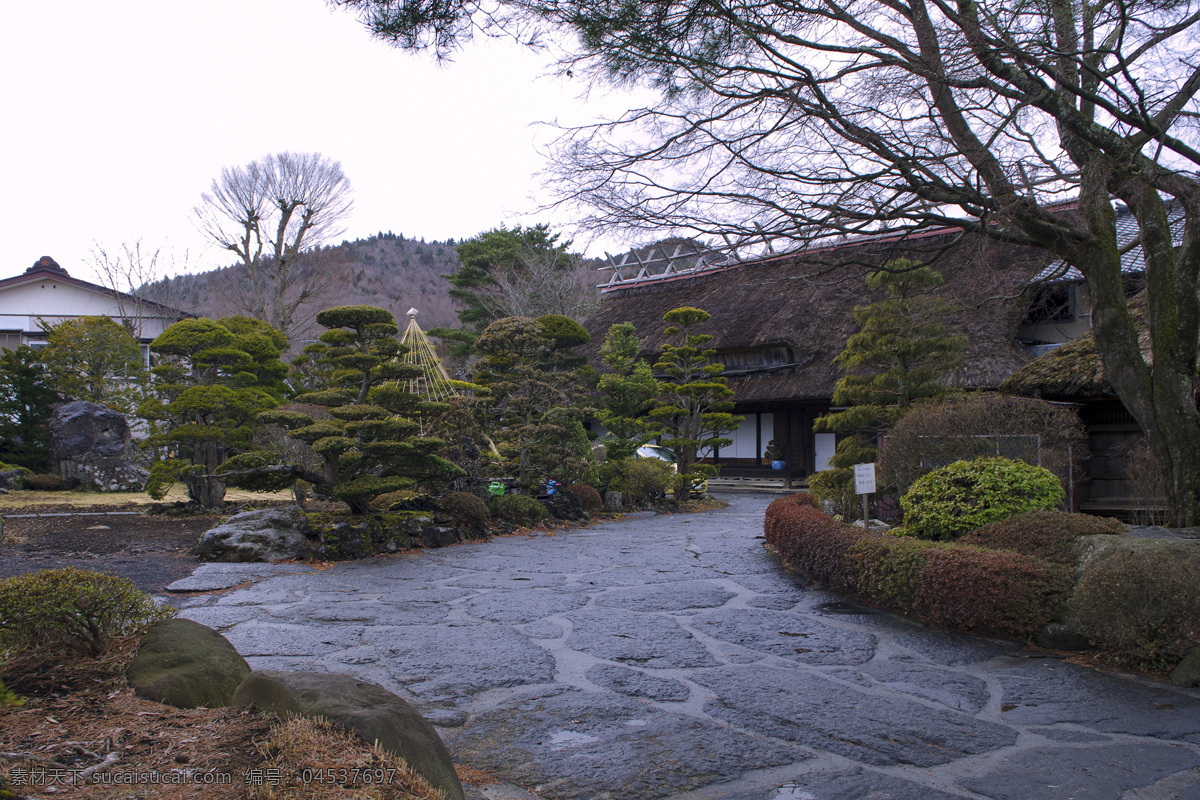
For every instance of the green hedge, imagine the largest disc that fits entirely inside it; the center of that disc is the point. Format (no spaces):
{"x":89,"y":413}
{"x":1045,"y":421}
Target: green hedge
{"x":948,"y":585}
{"x":959,"y":497}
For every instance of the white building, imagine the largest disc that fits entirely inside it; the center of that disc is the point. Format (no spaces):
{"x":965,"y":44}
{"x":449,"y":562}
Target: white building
{"x":45,"y":295}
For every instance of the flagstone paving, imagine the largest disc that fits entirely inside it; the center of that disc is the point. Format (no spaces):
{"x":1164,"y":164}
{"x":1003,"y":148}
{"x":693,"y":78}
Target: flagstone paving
{"x":669,"y":656}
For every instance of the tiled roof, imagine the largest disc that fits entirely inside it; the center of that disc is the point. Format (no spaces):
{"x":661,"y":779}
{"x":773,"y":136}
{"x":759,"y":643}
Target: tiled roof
{"x":1127,"y":231}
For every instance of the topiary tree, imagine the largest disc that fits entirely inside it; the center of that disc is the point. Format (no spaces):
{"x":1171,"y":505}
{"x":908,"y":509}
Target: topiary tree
{"x":962,"y":496}
{"x":26,"y":403}
{"x":627,"y":393}
{"x":371,"y":444}
{"x":97,"y":360}
{"x":693,"y":408}
{"x":899,"y":356}
{"x":536,"y":386}
{"x":213,"y":379}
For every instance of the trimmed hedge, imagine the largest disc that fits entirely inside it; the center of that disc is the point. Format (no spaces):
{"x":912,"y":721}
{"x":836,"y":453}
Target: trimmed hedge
{"x":1051,"y":535}
{"x":950,"y":585}
{"x":960,"y":497}
{"x":466,"y":508}
{"x":1140,"y":598}
{"x":588,"y":497}
{"x":518,"y":508}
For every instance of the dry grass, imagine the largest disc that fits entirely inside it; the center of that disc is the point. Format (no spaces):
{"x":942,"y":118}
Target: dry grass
{"x":310,"y":759}
{"x":13,"y":502}
{"x":81,"y":732}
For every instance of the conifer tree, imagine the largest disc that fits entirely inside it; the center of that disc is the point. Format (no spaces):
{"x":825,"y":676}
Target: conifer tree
{"x":212,"y":381}
{"x":97,"y":360}
{"x":900,"y":355}
{"x":26,"y":403}
{"x":693,"y":410}
{"x":627,"y":393}
{"x":536,"y":384}
{"x":371,"y":443}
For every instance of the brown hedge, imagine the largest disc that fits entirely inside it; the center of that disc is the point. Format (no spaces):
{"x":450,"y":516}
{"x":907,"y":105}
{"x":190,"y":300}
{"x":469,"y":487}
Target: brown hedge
{"x":949,"y":585}
{"x":1050,"y":535}
{"x":588,"y":497}
{"x":1140,"y":599}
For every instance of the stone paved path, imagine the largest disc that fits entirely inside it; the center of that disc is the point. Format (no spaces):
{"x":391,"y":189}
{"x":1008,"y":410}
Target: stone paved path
{"x":671,"y":657}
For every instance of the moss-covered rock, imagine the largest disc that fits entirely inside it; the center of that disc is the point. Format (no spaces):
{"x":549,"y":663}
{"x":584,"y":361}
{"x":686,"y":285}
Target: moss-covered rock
{"x":375,"y":713}
{"x":186,"y":664}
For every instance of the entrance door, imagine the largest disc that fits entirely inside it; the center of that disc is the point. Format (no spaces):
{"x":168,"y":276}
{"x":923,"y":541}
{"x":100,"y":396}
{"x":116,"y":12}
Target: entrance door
{"x":824,"y":445}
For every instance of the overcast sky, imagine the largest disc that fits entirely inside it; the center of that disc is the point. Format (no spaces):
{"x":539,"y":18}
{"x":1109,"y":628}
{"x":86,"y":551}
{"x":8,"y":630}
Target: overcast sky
{"x":118,"y":116}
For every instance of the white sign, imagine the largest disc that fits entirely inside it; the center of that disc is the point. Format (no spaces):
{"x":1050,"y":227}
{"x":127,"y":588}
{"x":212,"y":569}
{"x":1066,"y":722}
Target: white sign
{"x":864,"y":478}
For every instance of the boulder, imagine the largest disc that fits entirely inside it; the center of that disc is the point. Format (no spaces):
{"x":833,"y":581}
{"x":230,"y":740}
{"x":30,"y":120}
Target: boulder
{"x":1187,"y":672}
{"x":89,"y":449}
{"x":612,"y":501}
{"x":373,"y":712}
{"x":270,"y":534}
{"x":12,"y":478}
{"x":186,"y":664}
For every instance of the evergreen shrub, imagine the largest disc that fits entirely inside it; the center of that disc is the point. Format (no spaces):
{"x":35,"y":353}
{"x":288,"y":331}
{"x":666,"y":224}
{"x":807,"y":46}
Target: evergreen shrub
{"x":640,"y":481}
{"x":466,"y":508}
{"x":518,"y":508}
{"x":72,"y":607}
{"x":1141,"y":599}
{"x":1050,"y":535}
{"x":588,"y":497}
{"x":565,"y":505}
{"x":959,"y":497}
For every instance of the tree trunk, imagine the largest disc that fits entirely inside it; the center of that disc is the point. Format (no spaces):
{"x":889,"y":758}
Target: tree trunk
{"x":203,"y":488}
{"x":359,"y":505}
{"x":1161,"y":394}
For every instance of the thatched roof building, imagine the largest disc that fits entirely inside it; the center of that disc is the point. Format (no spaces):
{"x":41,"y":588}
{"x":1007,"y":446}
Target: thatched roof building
{"x":779,"y":322}
{"x":796,"y":310}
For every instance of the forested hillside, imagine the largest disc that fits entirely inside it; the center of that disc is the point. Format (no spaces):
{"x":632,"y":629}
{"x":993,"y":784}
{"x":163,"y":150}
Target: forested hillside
{"x":385,"y":270}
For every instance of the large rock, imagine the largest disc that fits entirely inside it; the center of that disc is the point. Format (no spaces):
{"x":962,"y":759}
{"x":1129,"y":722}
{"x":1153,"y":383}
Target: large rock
{"x":89,"y":448}
{"x":186,"y":664}
{"x":1187,"y":672}
{"x":270,"y":534}
{"x":371,"y":711}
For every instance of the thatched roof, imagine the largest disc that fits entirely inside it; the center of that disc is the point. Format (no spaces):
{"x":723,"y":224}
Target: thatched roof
{"x":804,"y":302}
{"x":1075,"y":370}
{"x":1071,"y":371}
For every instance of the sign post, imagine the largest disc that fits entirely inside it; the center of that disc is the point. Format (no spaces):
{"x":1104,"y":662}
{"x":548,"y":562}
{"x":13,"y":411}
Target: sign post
{"x":864,"y":484}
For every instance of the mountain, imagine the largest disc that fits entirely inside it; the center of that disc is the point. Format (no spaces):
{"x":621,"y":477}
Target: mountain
{"x":386,"y":270}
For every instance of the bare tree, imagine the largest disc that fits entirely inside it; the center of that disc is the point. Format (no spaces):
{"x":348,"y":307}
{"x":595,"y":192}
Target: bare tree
{"x":797,"y":119}
{"x":269,"y":213}
{"x":139,"y":281}
{"x":544,"y":281}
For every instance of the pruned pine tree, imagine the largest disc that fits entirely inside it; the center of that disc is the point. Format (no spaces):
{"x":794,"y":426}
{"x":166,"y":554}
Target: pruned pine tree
{"x":900,"y":355}
{"x":212,"y":381}
{"x":371,"y":444}
{"x":693,"y":410}
{"x":536,"y":388}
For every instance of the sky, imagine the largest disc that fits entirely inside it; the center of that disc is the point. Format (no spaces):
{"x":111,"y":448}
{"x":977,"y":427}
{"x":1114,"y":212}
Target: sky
{"x":119,"y":115}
